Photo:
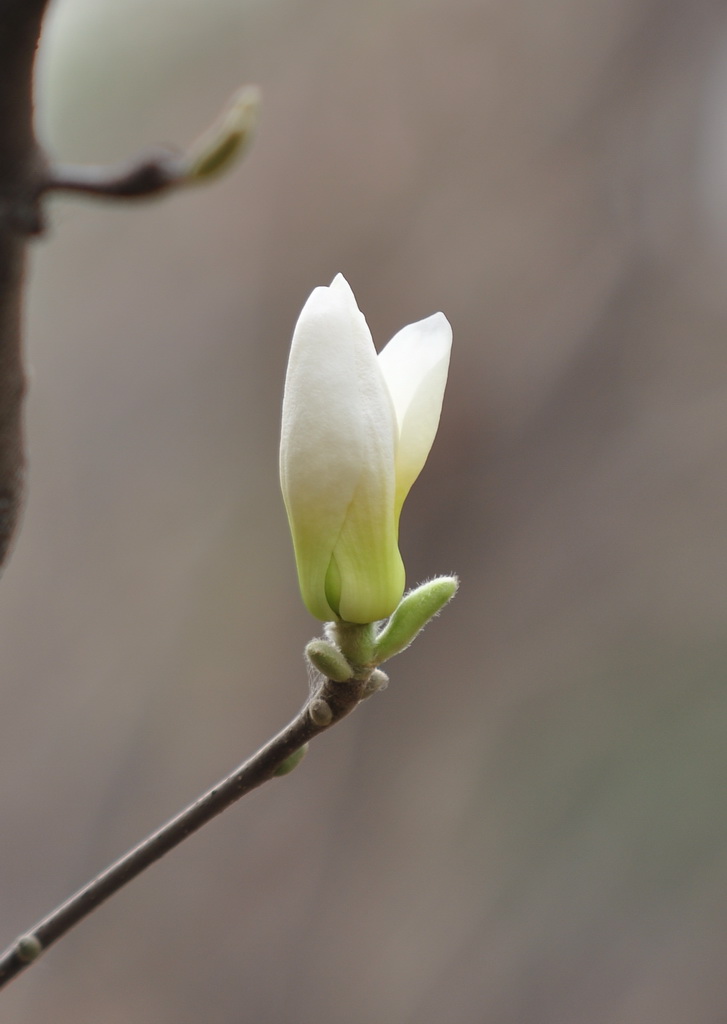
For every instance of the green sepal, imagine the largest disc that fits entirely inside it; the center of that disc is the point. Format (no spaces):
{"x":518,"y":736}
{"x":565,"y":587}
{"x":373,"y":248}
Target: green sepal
{"x":413,"y":613}
{"x":355,"y":640}
{"x":291,"y":762}
{"x":329,"y":661}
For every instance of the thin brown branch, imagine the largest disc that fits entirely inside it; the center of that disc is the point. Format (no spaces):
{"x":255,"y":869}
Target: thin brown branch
{"x":161,"y":169}
{"x":331,"y":703}
{"x":145,"y":175}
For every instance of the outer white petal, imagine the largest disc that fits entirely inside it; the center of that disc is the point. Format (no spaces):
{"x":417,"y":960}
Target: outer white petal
{"x":415,"y":364}
{"x":338,"y":436}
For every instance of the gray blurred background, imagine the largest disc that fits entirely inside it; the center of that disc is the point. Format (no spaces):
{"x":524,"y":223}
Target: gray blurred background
{"x":530,"y":825}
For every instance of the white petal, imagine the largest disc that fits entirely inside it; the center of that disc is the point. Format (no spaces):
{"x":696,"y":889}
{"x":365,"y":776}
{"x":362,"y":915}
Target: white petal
{"x":415,"y":364}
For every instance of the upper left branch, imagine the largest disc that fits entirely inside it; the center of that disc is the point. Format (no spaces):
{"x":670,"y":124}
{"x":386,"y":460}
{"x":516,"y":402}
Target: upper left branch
{"x":22,"y":168}
{"x":27,"y":177}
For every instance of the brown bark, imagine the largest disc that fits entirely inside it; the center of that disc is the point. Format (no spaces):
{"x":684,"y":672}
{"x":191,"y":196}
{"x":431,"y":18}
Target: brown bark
{"x":21,"y":165}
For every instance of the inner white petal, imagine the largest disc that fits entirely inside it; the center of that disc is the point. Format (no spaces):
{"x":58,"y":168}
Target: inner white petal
{"x":415,"y":364}
{"x":411,"y":355}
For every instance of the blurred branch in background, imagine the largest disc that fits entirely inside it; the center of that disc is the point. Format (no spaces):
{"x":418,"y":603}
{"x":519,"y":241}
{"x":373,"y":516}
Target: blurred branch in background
{"x":21,"y":166}
{"x":26,"y":176}
{"x":155,"y":172}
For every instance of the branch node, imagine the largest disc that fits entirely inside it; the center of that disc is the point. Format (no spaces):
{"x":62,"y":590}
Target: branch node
{"x":28,"y":948}
{"x":320,"y":712}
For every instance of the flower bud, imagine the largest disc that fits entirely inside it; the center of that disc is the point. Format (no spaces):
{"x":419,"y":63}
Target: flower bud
{"x":357,"y":429}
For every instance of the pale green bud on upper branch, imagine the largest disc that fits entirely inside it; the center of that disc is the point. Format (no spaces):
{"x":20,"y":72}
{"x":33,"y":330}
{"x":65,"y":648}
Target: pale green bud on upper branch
{"x":357,"y":430}
{"x":225,"y":140}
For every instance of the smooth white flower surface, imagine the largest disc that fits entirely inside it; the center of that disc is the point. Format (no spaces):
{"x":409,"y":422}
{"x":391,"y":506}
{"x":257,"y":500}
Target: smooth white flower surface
{"x":357,"y":429}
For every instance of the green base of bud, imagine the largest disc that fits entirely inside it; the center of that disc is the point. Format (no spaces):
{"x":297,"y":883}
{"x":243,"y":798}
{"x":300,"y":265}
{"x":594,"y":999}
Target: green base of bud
{"x":356,"y":642}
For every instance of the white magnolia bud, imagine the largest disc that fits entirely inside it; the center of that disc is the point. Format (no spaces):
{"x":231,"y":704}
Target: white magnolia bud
{"x":357,"y":429}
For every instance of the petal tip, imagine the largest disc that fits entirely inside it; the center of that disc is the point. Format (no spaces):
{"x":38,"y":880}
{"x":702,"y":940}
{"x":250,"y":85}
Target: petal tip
{"x":340,"y":284}
{"x":438,"y":324}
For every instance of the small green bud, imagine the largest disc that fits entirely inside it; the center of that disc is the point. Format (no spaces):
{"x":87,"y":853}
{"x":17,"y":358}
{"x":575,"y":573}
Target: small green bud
{"x":28,"y":948}
{"x":227,"y":138}
{"x":320,"y":712}
{"x":291,"y":762}
{"x":327,"y":658}
{"x":413,"y":613}
{"x":378,"y":680}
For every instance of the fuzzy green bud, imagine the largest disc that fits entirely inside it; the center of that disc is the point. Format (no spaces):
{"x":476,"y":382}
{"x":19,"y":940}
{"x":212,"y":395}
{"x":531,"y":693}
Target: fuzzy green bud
{"x":414,"y":611}
{"x":329,"y":661}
